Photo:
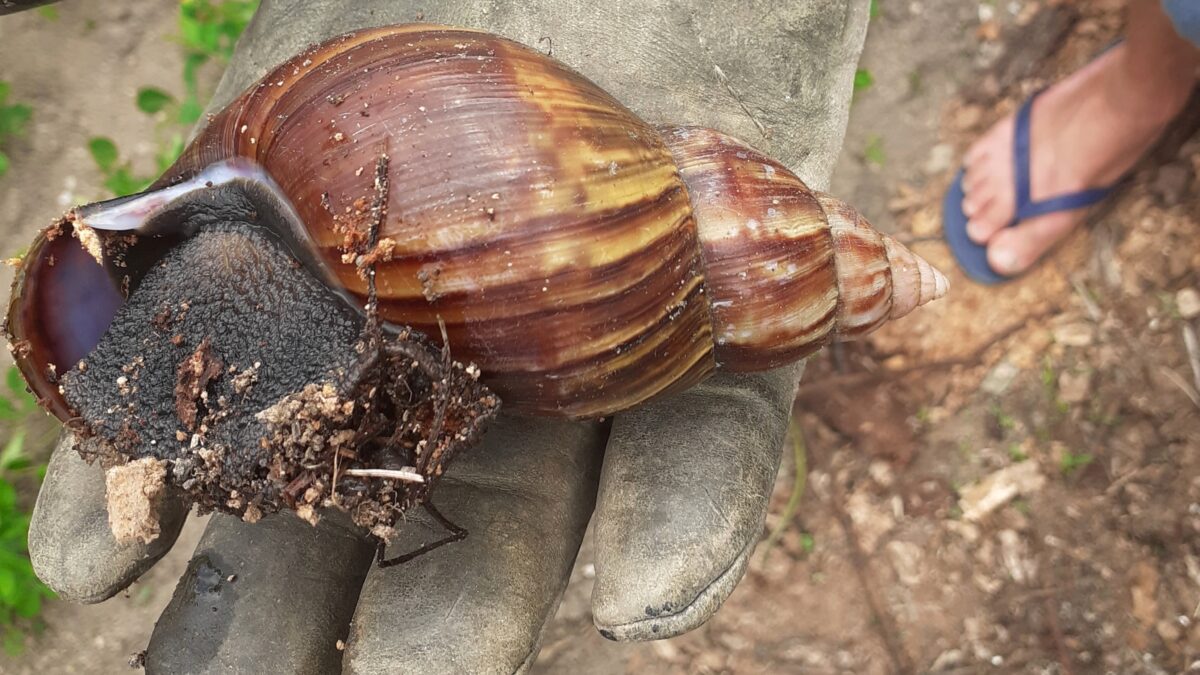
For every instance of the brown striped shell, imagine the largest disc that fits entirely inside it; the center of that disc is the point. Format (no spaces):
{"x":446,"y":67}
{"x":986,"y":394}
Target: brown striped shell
{"x":585,"y":260}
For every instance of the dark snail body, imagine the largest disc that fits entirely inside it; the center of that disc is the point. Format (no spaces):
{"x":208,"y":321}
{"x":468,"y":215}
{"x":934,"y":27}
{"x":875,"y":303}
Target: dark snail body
{"x":585,"y":260}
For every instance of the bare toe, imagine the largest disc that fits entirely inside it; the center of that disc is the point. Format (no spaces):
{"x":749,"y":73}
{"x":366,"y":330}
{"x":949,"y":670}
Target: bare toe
{"x":1016,"y":249}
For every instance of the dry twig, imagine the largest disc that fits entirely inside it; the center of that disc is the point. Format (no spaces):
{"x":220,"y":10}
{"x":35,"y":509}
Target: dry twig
{"x":395,"y":474}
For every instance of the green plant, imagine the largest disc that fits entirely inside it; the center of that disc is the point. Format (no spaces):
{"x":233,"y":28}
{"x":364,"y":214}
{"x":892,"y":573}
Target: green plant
{"x":799,"y":482}
{"x":13,"y":118}
{"x":21,"y":593}
{"x":49,"y":12}
{"x":863,"y":79}
{"x":118,"y":175}
{"x":1072,"y":462}
{"x":873,"y":152}
{"x":1050,"y":387}
{"x":208,"y":31}
{"x":924,"y":415}
{"x":1016,"y":454}
{"x":1004,"y":421}
{"x":807,"y":543}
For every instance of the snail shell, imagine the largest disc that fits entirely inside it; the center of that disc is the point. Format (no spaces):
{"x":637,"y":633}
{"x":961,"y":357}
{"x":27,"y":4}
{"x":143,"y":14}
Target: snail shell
{"x":585,"y":260}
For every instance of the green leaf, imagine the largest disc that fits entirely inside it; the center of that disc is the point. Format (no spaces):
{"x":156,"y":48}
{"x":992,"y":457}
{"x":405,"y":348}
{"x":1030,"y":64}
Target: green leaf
{"x":1072,"y":462}
{"x":151,"y":100}
{"x":28,"y":605}
{"x":191,"y":64}
{"x":13,"y":119}
{"x":874,"y":10}
{"x":15,"y":382}
{"x":8,"y":585}
{"x":122,"y":182}
{"x":49,"y":12}
{"x":8,"y":411}
{"x":3,"y":163}
{"x":20,"y":395}
{"x":8,"y":497}
{"x":190,"y":111}
{"x":13,"y":452}
{"x":167,"y":156}
{"x":863,"y":79}
{"x":4,"y":89}
{"x":104,"y":152}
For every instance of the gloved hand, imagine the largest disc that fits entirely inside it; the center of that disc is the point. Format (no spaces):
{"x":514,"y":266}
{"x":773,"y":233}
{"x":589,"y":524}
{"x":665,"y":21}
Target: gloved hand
{"x":679,"y":487}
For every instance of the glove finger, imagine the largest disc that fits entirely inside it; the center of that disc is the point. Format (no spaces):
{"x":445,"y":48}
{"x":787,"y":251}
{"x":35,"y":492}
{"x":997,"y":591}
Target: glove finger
{"x":683,"y":496}
{"x":269,"y":597}
{"x":70,"y":544}
{"x":480,"y":604}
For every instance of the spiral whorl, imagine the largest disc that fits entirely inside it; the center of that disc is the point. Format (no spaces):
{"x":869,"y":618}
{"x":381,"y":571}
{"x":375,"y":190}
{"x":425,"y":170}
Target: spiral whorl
{"x":878,"y":277}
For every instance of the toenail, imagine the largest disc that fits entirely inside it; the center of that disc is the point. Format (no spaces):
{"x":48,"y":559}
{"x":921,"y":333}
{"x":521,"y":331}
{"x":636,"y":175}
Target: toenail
{"x":1004,"y":261}
{"x":973,"y":232}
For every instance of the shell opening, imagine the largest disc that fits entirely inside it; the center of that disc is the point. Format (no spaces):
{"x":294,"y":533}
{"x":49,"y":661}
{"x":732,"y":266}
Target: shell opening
{"x":139,"y":213}
{"x":63,"y":302}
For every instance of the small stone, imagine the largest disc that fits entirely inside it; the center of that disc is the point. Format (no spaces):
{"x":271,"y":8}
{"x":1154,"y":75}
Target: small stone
{"x":948,"y":660}
{"x":1168,"y":630}
{"x":906,"y":560}
{"x":871,"y":520}
{"x":1171,"y":182}
{"x":665,"y":650}
{"x":941,"y":157}
{"x":341,"y":645}
{"x":1074,"y":334}
{"x":1074,"y":387}
{"x":981,"y":498}
{"x":988,"y":31}
{"x":968,"y":531}
{"x":968,"y":116}
{"x":1187,"y":301}
{"x":1015,"y":556}
{"x":999,"y":378}
{"x":881,"y":473}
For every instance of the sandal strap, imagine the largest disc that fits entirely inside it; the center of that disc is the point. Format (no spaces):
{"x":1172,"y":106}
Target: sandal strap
{"x":1026,"y":207}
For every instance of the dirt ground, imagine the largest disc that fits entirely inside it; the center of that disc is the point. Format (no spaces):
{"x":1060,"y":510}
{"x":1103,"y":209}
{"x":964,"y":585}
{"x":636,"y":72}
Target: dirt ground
{"x":1007,"y":481}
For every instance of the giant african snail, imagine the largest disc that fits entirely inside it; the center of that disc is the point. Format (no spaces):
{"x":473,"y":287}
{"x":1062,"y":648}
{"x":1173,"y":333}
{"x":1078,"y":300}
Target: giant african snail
{"x":585,"y":260}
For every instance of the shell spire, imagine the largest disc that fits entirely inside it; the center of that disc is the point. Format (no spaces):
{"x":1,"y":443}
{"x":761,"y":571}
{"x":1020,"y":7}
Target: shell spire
{"x":914,"y":281}
{"x":878,"y":277}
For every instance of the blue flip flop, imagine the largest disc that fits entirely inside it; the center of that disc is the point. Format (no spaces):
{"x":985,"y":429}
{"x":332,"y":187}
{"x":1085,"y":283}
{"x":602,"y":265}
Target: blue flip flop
{"x":972,"y":257}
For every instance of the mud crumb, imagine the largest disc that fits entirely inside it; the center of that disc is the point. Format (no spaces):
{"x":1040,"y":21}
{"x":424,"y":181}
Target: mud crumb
{"x":191,"y":383}
{"x":382,"y":252}
{"x":252,"y":514}
{"x":308,"y":513}
{"x":89,"y":241}
{"x":134,"y":493}
{"x":245,"y":380}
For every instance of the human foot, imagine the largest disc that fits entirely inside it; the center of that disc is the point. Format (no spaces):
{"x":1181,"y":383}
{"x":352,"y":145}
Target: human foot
{"x":1086,"y":132}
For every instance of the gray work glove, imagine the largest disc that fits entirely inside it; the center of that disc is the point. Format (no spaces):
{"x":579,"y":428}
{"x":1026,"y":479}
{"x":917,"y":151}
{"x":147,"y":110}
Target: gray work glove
{"x":679,"y":487}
